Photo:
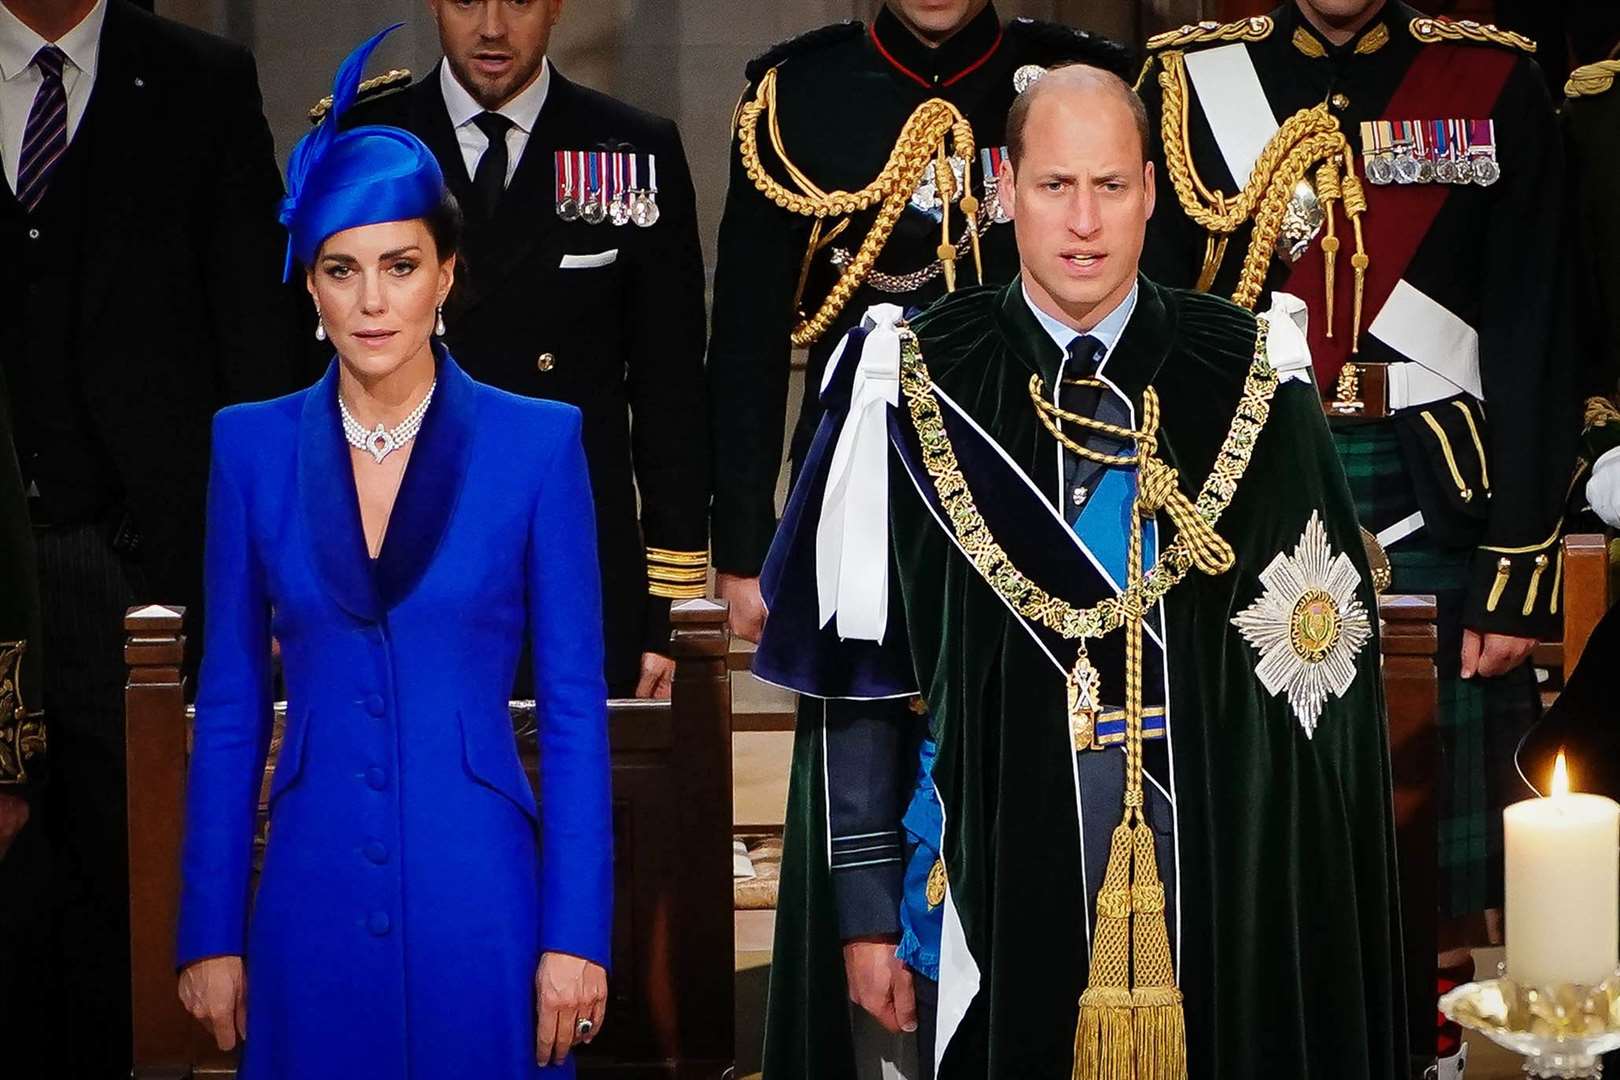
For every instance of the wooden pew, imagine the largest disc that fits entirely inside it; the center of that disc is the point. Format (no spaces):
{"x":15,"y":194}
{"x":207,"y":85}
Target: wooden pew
{"x":1412,"y":703}
{"x":670,"y":1010}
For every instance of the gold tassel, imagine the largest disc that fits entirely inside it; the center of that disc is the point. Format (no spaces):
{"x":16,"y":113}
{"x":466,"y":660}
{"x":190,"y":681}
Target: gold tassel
{"x":1327,"y":190}
{"x":1103,"y":1047}
{"x":945,"y":183}
{"x":1160,"y":1036}
{"x":1355,"y":204}
{"x":1126,"y":1034}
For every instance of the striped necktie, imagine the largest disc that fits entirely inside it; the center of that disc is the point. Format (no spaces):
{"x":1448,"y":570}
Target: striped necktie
{"x":45,"y":137}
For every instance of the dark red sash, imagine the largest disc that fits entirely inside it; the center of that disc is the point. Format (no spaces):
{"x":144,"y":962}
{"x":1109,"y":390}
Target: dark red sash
{"x":1444,"y":82}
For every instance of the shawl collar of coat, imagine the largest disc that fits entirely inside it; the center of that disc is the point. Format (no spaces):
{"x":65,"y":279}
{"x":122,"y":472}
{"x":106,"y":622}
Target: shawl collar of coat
{"x":422,"y":510}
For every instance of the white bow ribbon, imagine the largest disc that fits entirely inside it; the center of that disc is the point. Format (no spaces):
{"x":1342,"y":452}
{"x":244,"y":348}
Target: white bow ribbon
{"x":852,"y":535}
{"x":1287,"y":349}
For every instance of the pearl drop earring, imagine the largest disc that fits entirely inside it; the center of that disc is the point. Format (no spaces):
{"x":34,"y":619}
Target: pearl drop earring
{"x":439,"y":327}
{"x":320,"y":326}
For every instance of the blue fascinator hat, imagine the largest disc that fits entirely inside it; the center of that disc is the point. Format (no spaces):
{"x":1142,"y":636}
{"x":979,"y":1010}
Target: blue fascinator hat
{"x":339,"y":180}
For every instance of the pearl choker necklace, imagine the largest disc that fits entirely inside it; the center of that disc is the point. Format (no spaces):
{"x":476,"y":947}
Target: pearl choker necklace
{"x":379,"y":442}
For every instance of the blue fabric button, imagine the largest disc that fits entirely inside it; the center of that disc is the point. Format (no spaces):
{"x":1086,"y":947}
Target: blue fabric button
{"x":376,"y":852}
{"x":376,"y":779}
{"x":378,"y":923}
{"x":374,"y":704}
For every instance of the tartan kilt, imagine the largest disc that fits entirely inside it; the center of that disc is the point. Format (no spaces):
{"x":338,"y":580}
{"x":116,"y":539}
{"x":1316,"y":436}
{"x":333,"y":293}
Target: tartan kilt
{"x":1481,"y":720}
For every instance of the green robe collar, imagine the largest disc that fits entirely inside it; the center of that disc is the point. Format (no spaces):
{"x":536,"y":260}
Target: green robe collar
{"x":1132,"y":365}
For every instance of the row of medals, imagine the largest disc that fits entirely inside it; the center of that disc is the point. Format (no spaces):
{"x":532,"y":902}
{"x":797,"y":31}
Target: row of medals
{"x":594,"y":206}
{"x":1407,"y":164}
{"x":639,"y":206}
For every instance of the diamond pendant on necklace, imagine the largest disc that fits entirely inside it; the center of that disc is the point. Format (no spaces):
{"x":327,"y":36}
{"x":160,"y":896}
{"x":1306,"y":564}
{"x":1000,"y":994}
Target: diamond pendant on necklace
{"x":381,"y":441}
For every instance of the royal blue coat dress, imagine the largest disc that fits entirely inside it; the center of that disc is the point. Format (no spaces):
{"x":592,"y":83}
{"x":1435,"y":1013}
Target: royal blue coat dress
{"x":411,"y":882}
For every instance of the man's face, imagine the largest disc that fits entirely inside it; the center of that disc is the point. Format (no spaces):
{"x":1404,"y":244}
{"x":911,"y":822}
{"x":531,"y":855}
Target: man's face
{"x":1080,"y":200}
{"x":495,"y":47}
{"x":936,"y":20}
{"x":1339,"y":12}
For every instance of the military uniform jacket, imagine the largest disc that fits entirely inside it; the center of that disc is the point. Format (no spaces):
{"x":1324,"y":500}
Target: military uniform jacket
{"x":844,"y":94}
{"x":22,"y":730}
{"x":1461,"y":288}
{"x":607,"y":318}
{"x":1271,"y":814}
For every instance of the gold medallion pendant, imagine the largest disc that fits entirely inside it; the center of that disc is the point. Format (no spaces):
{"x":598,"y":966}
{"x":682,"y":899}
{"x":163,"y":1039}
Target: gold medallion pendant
{"x":1308,"y":625}
{"x":936,"y":884}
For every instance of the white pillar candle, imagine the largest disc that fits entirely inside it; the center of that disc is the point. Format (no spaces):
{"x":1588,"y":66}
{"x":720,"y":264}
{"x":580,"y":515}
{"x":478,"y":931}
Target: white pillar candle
{"x":1563,"y":886}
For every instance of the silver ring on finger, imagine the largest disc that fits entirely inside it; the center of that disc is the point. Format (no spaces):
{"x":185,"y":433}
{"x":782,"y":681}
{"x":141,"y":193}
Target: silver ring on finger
{"x":584,"y":1027}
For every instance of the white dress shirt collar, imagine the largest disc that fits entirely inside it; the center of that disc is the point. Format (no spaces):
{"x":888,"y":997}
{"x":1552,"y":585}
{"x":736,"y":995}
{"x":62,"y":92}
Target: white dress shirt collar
{"x":19,"y":44}
{"x":523,"y":110}
{"x":1107,"y":331}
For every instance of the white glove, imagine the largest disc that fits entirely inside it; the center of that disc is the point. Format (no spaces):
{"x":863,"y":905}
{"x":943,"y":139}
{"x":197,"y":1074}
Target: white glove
{"x":1603,"y":489}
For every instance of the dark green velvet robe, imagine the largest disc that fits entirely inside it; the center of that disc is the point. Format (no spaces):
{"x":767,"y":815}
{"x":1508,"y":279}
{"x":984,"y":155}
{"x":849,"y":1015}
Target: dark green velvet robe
{"x":1289,"y":926}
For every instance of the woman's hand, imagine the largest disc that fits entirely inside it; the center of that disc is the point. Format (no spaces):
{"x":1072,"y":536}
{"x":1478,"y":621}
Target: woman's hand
{"x":570,"y":989}
{"x":215,"y":992}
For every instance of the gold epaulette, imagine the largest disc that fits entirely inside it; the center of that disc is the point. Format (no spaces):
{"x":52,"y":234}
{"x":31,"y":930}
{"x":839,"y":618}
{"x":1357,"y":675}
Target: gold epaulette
{"x":1600,"y":412}
{"x":395,"y":79}
{"x":1591,"y":79}
{"x":1429,"y":31}
{"x":677,"y":575}
{"x":1255,"y":28}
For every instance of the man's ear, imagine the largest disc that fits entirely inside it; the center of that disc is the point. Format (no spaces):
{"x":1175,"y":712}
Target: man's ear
{"x":1150,"y":187}
{"x":1007,"y":189}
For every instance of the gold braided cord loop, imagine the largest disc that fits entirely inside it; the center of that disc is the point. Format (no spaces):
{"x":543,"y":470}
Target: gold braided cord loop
{"x":1273,"y":207}
{"x":1256,"y":28}
{"x":1591,"y":79}
{"x":934,"y":125}
{"x":1600,"y":412}
{"x":1197,"y":199}
{"x":1159,"y":484}
{"x":1429,"y":31}
{"x":1308,"y":142}
{"x":1029,"y":599}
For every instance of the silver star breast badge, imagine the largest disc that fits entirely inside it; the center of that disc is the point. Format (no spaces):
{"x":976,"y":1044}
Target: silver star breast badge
{"x":1308,"y":625}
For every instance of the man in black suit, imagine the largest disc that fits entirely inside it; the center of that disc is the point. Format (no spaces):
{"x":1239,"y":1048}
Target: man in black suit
{"x":580,"y":282}
{"x":139,"y":292}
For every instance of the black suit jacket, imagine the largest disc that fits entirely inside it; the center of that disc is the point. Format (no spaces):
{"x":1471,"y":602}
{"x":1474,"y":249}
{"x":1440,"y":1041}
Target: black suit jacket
{"x":179,"y":309}
{"x":623,"y":342}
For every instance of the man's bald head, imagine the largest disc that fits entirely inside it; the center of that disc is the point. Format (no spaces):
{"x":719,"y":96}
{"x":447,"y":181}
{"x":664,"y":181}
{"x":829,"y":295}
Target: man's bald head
{"x":1079,"y":189}
{"x":1074,"y":79}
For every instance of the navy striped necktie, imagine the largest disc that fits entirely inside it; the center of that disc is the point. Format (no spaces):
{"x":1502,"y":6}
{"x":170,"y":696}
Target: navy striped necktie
{"x":45,"y":137}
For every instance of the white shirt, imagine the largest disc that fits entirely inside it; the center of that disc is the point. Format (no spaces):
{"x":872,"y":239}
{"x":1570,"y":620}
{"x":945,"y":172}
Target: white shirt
{"x":1107,"y":331}
{"x":20,"y":79}
{"x":523,"y":111}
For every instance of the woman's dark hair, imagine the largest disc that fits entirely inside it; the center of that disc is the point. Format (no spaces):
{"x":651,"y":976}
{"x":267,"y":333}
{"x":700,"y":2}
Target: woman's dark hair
{"x":445,"y":223}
